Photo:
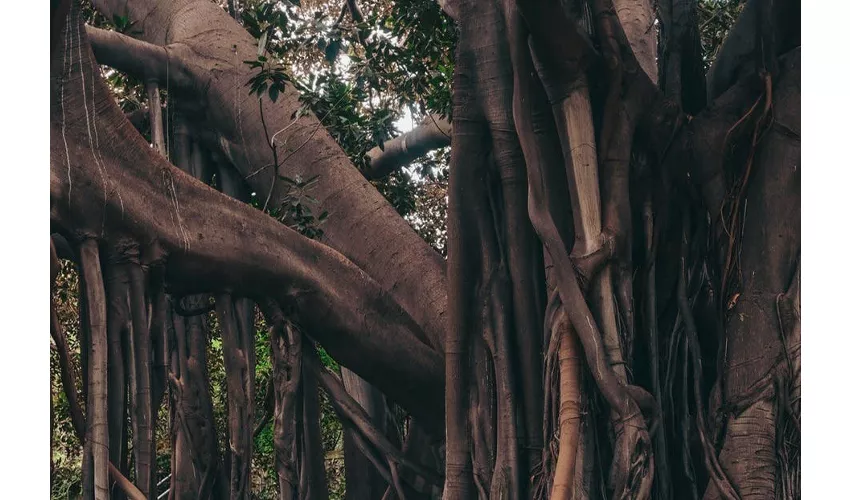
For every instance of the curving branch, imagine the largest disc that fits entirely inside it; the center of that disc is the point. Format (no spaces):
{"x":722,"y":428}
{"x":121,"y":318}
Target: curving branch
{"x":143,"y":60}
{"x":108,"y":181}
{"x":214,"y":47}
{"x":434,"y":132}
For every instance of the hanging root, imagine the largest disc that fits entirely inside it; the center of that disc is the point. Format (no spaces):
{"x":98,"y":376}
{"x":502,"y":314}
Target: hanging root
{"x":78,"y":421}
{"x":240,"y":408}
{"x":283,"y":387}
{"x":97,"y":428}
{"x":349,"y":410}
{"x":715,"y":470}
{"x":143,"y":437}
{"x":569,"y":409}
{"x":117,"y":285}
{"x":738,"y":192}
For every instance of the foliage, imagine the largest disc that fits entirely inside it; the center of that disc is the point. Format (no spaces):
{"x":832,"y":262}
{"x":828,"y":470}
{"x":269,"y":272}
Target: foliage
{"x":715,"y":19}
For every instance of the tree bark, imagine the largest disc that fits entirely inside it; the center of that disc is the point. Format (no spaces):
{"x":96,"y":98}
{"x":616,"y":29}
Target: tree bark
{"x":389,"y":251}
{"x":97,"y":424}
{"x":153,"y":198}
{"x":362,"y":480}
{"x":434,"y":132}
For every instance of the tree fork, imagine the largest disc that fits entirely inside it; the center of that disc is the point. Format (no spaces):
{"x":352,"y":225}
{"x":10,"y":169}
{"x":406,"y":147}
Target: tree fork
{"x":407,"y":363}
{"x":402,"y":263}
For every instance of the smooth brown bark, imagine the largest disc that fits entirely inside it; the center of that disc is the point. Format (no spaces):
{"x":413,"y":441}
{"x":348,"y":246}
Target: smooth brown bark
{"x":211,"y":46}
{"x":569,"y":409}
{"x":286,"y":373}
{"x":434,"y":132}
{"x":156,"y":203}
{"x":97,"y":424}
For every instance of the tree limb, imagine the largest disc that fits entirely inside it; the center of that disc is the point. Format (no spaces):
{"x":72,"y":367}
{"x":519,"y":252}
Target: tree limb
{"x":214,"y":46}
{"x":140,"y":59}
{"x":432,"y":133}
{"x":210,"y":242}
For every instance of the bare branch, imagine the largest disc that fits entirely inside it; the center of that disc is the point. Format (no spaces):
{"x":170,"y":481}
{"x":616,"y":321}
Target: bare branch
{"x":432,"y":133}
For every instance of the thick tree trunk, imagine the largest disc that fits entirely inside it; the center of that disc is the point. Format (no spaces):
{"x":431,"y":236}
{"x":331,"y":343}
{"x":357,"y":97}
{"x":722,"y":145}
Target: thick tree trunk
{"x":526,"y":121}
{"x":769,"y":256}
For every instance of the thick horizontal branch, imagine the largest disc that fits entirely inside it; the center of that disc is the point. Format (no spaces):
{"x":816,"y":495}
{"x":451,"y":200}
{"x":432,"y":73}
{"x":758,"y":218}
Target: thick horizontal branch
{"x":431,"y":134}
{"x":142,"y":60}
{"x":214,"y":46}
{"x":106,"y":182}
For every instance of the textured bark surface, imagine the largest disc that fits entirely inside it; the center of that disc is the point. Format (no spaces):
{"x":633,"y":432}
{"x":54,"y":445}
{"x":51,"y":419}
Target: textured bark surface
{"x":97,"y":424}
{"x":560,"y":137}
{"x":157,"y":203}
{"x":638,"y":20}
{"x":770,"y":250}
{"x":286,"y":372}
{"x":361,"y":478}
{"x":240,"y":411}
{"x":209,"y":47}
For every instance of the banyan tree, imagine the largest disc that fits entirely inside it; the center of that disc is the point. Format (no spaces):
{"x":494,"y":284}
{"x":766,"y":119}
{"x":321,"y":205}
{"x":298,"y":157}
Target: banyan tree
{"x":617,"y":314}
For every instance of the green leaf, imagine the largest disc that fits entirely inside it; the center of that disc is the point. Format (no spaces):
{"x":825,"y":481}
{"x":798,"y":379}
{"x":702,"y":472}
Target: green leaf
{"x":274,"y":90}
{"x":332,"y":50}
